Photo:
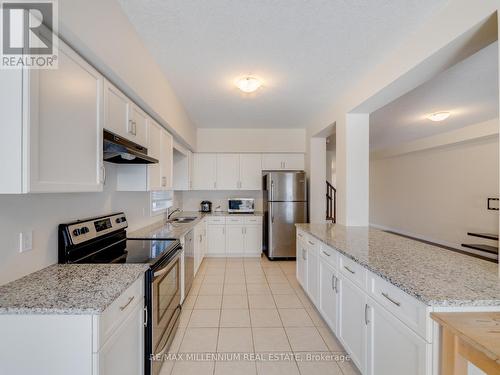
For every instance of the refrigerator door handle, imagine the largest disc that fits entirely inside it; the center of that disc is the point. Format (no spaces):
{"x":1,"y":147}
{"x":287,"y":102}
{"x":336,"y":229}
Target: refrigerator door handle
{"x":272,"y":214}
{"x":272,"y":190}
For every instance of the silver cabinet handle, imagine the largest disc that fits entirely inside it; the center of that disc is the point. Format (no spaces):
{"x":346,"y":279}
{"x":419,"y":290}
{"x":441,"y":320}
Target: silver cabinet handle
{"x":215,"y":185}
{"x":324,"y":252}
{"x":103,"y":174}
{"x":128,"y":303}
{"x":348,"y":269}
{"x":390,"y":299}
{"x":304,"y":254}
{"x":300,"y":235}
{"x":336,"y":285}
{"x":333,"y":282}
{"x":311,"y":243}
{"x":163,"y":181}
{"x":145,"y":316}
{"x":367,"y":320}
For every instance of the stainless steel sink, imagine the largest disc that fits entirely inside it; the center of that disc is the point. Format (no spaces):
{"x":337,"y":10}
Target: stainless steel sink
{"x":186,"y":219}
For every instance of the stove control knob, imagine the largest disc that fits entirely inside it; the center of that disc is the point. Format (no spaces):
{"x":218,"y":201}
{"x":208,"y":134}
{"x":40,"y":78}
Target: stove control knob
{"x":76,"y":232}
{"x":84,"y":230}
{"x":118,"y":220}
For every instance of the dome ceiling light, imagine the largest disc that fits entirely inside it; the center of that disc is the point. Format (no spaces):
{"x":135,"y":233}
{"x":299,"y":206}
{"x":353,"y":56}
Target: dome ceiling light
{"x":249,"y":84}
{"x":439,"y":116}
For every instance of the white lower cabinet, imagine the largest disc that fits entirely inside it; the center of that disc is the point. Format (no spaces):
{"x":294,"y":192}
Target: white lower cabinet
{"x":200,"y":244}
{"x":235,"y":239}
{"x":123,"y":353}
{"x":313,"y":275}
{"x":253,"y":240}
{"x":109,"y":343}
{"x":301,"y":264}
{"x":216,"y":236}
{"x":393,"y":348}
{"x":328,"y":294}
{"x":352,"y":322}
{"x":235,"y":236}
{"x":384,"y":330}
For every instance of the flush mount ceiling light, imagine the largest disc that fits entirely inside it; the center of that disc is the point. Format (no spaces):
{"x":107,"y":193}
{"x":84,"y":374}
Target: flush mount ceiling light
{"x":439,"y":116}
{"x":248,"y":84}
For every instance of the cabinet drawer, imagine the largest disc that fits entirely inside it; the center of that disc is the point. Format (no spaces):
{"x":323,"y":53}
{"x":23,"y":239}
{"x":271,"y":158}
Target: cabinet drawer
{"x":216,"y":220}
{"x":116,"y":313}
{"x":231,"y":220}
{"x":311,"y":243}
{"x":410,"y":311}
{"x":301,"y":236}
{"x":253,"y":220}
{"x":353,"y":271}
{"x":329,"y":255}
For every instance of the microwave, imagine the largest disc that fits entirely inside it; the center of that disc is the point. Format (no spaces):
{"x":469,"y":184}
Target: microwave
{"x":240,"y":205}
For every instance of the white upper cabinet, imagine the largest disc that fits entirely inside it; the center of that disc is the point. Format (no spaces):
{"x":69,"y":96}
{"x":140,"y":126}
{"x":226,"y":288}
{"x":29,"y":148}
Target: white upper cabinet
{"x":166,"y":160}
{"x":283,"y":162}
{"x":137,"y":130}
{"x":123,"y":117}
{"x":116,"y":110}
{"x":154,"y":150}
{"x":250,"y":171}
{"x":228,"y":171}
{"x":54,"y":132}
{"x":204,"y":172}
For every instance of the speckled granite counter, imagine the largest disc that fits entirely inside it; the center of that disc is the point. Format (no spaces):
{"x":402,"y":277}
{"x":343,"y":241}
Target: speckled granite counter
{"x":69,"y":288}
{"x":162,"y":229}
{"x":435,"y":276}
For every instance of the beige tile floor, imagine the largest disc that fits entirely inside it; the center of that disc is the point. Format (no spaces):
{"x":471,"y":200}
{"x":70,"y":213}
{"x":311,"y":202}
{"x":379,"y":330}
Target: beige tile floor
{"x":253,"y":306}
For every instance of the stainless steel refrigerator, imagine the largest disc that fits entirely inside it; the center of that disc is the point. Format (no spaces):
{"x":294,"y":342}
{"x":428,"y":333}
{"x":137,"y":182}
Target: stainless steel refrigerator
{"x":285,"y":203}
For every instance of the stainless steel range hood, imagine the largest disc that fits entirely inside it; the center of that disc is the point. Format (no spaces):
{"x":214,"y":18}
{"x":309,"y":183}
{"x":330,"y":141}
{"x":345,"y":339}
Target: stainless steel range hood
{"x":119,"y":150}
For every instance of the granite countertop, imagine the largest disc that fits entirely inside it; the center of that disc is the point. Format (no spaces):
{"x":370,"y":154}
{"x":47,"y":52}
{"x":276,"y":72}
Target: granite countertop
{"x":433,"y":275}
{"x":69,"y":289}
{"x":162,"y":229}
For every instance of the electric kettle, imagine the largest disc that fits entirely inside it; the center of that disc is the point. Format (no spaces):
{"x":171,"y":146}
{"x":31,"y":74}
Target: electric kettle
{"x":206,"y":206}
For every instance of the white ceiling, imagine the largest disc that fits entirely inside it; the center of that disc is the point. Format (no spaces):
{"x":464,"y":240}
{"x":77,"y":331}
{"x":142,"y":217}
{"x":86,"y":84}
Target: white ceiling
{"x":306,"y":52}
{"x":469,"y":90}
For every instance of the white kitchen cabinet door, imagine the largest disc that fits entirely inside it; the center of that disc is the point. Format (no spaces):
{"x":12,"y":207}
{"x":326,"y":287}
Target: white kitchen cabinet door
{"x":313,"y":275}
{"x":393,"y":348}
{"x":293,"y":162}
{"x":123,"y":353}
{"x":283,"y":162}
{"x":166,"y":160}
{"x":251,"y":172}
{"x":302,"y":264}
{"x":138,"y":125}
{"x":272,"y":162}
{"x":235,"y":239}
{"x":116,"y":110}
{"x":216,"y":238}
{"x":228,"y":171}
{"x":64,"y":121}
{"x":328,"y":294}
{"x":253,"y":240}
{"x":204,"y":171}
{"x":154,"y":150}
{"x":353,"y":321}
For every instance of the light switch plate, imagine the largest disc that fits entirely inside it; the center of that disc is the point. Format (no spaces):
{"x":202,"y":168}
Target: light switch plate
{"x":25,"y":241}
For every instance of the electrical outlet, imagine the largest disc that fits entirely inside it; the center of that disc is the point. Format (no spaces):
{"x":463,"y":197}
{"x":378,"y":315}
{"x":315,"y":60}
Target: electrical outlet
{"x":25,"y":241}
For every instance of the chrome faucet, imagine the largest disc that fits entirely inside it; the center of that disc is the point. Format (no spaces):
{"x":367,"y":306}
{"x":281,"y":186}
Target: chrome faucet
{"x":173,"y":212}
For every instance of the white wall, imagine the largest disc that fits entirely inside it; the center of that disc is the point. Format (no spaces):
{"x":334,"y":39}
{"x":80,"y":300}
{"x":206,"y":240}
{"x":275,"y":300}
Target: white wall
{"x":251,"y":140}
{"x":437,"y":194}
{"x":191,"y":199}
{"x":102,"y":33}
{"x":41,"y":213}
{"x":330,"y":167}
{"x":414,"y":61}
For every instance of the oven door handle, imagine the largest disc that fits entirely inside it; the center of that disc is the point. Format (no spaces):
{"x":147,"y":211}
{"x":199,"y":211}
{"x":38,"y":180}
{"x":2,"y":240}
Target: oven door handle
{"x":166,"y":346}
{"x":167,"y":268}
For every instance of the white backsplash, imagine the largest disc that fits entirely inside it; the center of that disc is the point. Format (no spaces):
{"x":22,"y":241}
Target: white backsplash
{"x":191,"y":199}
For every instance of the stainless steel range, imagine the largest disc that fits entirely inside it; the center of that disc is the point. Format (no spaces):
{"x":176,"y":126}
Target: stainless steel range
{"x":104,"y":240}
